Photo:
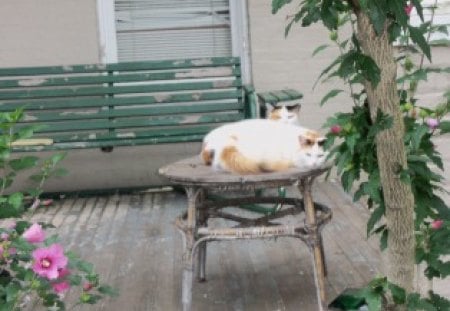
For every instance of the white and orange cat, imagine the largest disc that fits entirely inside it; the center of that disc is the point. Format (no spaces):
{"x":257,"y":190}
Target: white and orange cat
{"x":289,"y":114}
{"x":262,"y":145}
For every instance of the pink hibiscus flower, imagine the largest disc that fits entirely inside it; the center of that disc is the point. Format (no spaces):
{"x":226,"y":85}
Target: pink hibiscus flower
{"x":408,"y":9}
{"x":61,"y":287}
{"x":48,"y":261}
{"x":432,"y":123}
{"x":336,"y":129}
{"x":34,"y":234}
{"x":437,"y":224}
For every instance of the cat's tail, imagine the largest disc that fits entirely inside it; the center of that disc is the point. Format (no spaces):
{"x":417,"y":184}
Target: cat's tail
{"x":232,"y":160}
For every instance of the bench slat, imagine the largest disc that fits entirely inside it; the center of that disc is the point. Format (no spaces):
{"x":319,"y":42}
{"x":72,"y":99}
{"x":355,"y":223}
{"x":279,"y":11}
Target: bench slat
{"x":125,"y":66}
{"x":35,"y":82}
{"x":115,"y":90}
{"x":111,"y":136}
{"x":121,"y":101}
{"x":122,"y":142}
{"x":101,"y":113}
{"x":141,"y":122}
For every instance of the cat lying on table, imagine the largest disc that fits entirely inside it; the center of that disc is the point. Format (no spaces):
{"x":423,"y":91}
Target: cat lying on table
{"x":262,"y":145}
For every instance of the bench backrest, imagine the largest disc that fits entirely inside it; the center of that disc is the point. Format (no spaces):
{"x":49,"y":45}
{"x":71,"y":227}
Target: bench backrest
{"x":134,"y":103}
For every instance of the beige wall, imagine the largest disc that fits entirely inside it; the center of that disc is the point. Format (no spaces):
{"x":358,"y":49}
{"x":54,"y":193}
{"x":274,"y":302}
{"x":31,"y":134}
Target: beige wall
{"x":48,"y":32}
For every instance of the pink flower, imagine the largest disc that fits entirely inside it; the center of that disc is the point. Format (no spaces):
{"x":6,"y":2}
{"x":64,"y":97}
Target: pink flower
{"x":63,"y":273}
{"x":34,"y":234}
{"x":408,"y":9}
{"x":336,"y":129}
{"x":437,"y":224}
{"x":87,"y":286}
{"x":49,"y":260}
{"x":432,"y":123}
{"x":47,"y":202}
{"x":11,"y":225}
{"x":4,"y":236}
{"x":61,"y":287}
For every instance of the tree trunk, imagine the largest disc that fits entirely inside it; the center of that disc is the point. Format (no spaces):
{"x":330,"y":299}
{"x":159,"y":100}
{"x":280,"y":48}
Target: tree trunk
{"x":391,"y":154}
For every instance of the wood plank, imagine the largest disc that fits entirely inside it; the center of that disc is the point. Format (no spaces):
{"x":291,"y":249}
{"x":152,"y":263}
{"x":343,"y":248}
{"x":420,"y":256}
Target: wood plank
{"x":119,"y":101}
{"x":129,"y":123}
{"x":100,"y":78}
{"x":132,"y":242}
{"x":79,"y":91}
{"x":102,"y":113}
{"x":123,"y":66}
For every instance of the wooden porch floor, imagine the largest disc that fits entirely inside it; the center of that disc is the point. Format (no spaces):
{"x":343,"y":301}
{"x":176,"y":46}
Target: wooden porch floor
{"x":135,"y":247}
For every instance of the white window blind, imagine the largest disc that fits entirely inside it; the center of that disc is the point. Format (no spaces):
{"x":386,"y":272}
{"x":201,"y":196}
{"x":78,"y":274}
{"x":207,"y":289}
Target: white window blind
{"x":170,"y":29}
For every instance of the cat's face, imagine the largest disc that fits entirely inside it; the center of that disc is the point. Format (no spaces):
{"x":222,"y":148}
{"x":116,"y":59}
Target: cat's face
{"x":288,"y":114}
{"x":311,"y":152}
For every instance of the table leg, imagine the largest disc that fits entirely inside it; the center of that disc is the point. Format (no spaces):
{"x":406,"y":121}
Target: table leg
{"x":315,"y":242}
{"x":202,"y":219}
{"x":189,"y":240}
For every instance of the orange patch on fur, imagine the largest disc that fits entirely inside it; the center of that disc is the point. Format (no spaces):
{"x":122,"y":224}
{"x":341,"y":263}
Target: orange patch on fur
{"x":235,"y":162}
{"x":207,"y":156}
{"x":309,"y":139}
{"x":275,"y":166}
{"x":275,"y":115}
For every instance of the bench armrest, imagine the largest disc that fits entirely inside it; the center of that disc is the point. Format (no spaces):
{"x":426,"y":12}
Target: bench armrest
{"x":250,"y":102}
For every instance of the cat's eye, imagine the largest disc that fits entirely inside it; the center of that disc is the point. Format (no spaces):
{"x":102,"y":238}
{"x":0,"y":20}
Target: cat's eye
{"x":321,"y":143}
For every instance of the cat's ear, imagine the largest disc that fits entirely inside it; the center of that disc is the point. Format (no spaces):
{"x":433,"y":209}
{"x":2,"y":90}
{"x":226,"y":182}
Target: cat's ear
{"x":270,"y":107}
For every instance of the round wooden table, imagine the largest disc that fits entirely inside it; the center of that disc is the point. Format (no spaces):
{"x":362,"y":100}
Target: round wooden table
{"x":200,"y":181}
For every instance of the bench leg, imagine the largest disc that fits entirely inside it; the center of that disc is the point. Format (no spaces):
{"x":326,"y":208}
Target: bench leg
{"x":315,"y":243}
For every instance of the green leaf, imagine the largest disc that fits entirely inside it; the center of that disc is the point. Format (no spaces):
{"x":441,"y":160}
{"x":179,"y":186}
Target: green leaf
{"x":415,"y":303}
{"x":398,"y":293}
{"x":85,"y":266}
{"x":57,"y":157}
{"x":319,"y":49}
{"x":419,"y":8}
{"x":375,"y":217}
{"x":373,"y":301}
{"x":108,"y":290}
{"x":398,"y":8}
{"x":369,"y":69}
{"x":59,"y":172}
{"x":418,"y":38}
{"x":444,"y":126}
{"x":329,"y":95}
{"x":278,"y":4}
{"x":329,"y":15}
{"x":23,"y":163}
{"x":16,"y":200}
{"x":377,"y":16}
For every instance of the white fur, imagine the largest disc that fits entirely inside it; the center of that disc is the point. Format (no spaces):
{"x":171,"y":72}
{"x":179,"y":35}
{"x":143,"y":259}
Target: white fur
{"x":264,"y":141}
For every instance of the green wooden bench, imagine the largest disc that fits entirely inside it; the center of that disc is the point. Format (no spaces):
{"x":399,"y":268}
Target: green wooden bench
{"x":125,"y":104}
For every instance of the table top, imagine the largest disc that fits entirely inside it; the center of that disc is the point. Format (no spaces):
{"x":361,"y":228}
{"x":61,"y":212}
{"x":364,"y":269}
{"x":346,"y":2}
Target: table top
{"x":192,"y":171}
